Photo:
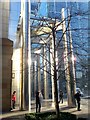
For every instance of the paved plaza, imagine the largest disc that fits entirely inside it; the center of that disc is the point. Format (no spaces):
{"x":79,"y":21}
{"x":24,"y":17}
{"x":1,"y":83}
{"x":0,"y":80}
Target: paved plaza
{"x":19,"y":115}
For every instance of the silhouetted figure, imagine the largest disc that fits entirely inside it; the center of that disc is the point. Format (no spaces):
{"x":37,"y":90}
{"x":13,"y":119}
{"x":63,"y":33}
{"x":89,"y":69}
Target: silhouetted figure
{"x":13,"y":99}
{"x":40,"y":98}
{"x":61,"y":96}
{"x":38,"y":103}
{"x":77,"y":97}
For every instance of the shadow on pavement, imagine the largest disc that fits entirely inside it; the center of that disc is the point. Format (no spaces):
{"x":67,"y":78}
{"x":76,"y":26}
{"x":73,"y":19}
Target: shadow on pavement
{"x":20,"y":117}
{"x":67,"y":108}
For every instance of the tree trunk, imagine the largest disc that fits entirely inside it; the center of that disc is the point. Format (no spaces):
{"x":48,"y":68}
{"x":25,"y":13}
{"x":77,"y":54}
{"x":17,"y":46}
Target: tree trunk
{"x":55,"y":78}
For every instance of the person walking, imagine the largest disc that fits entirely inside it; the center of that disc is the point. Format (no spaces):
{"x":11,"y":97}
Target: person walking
{"x":41,"y":98}
{"x":78,"y":98}
{"x":13,"y":99}
{"x":61,"y":96}
{"x":38,"y":104}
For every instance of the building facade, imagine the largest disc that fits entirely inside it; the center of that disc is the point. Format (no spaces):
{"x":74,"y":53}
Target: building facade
{"x":39,"y":75}
{"x":6,"y":51}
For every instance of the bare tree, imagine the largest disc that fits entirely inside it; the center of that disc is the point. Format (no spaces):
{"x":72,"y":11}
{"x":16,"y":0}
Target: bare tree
{"x":49,"y":28}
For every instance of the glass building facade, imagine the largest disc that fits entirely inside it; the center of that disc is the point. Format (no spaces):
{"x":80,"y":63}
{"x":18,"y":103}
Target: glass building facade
{"x":78,"y":28}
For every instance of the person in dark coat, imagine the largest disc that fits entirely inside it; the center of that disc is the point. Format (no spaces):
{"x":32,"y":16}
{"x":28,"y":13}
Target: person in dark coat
{"x":77,"y":97}
{"x":61,"y":96}
{"x":38,"y":104}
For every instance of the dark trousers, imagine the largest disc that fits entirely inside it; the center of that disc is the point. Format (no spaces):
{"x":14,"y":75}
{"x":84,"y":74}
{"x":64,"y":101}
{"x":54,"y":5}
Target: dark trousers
{"x":78,"y":103}
{"x":13,"y":104}
{"x":61,"y":99}
{"x":38,"y":107}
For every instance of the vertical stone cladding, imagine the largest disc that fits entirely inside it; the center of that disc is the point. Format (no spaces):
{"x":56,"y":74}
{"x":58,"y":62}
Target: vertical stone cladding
{"x":7,"y":51}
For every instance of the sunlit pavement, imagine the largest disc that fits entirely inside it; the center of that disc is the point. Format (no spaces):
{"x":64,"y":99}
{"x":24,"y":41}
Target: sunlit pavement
{"x":16,"y":114}
{"x":85,"y":112}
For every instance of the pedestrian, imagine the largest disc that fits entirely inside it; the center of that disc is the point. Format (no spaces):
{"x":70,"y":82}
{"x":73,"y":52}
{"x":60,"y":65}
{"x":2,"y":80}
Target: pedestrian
{"x":13,"y":99}
{"x":41,"y":98}
{"x":78,"y":98}
{"x":61,"y":96}
{"x":38,"y":104}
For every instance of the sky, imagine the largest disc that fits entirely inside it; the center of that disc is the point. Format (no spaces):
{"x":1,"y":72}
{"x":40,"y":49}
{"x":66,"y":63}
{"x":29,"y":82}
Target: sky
{"x":13,"y":19}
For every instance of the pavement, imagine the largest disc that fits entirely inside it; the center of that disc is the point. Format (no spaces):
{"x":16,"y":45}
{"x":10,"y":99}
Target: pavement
{"x":19,"y":115}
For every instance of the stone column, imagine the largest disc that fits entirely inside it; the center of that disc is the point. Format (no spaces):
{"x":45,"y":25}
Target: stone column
{"x":45,"y":73}
{"x":39,"y":73}
{"x":21,"y":81}
{"x":72,"y":64}
{"x":7,"y":51}
{"x":35,"y":75}
{"x":52,"y":68}
{"x":66,"y":65}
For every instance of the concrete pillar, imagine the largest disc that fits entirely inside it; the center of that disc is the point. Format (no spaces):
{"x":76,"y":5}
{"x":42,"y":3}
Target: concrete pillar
{"x":26,"y":53}
{"x":49,"y":73}
{"x":45,"y":73}
{"x":35,"y":76}
{"x":66,"y":65}
{"x":73,"y":77}
{"x":58,"y":81}
{"x":52,"y":68}
{"x":21,"y":81}
{"x":39,"y":73}
{"x":7,"y":50}
{"x":29,"y":56}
